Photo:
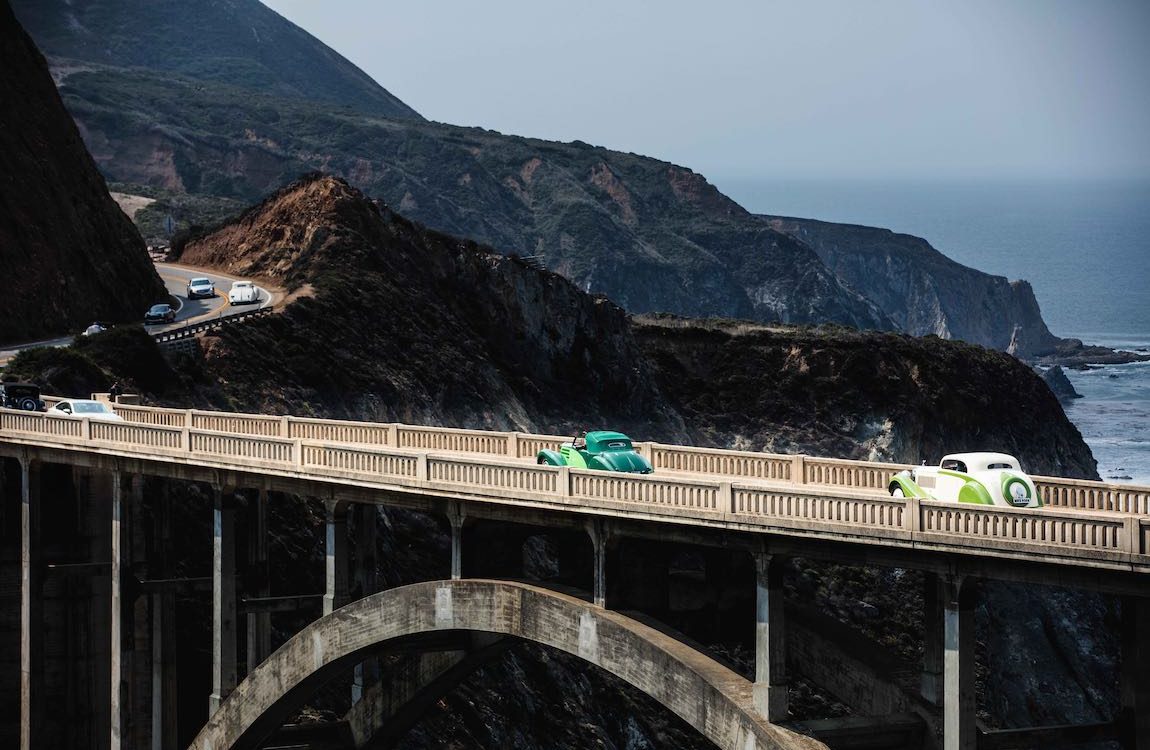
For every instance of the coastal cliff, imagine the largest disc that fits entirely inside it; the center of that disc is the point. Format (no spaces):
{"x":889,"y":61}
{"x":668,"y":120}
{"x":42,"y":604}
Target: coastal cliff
{"x":69,"y":254}
{"x":923,"y":291}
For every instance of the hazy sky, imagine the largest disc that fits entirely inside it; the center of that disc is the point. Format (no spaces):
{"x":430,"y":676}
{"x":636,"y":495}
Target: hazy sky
{"x":759,"y":88}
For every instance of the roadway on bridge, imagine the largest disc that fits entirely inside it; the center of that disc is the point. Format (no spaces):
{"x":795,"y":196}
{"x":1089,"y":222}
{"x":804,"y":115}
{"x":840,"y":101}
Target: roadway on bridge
{"x":175,"y":277}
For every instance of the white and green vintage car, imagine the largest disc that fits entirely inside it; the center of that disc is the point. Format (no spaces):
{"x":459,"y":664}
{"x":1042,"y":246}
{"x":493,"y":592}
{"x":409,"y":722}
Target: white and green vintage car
{"x":978,"y":478}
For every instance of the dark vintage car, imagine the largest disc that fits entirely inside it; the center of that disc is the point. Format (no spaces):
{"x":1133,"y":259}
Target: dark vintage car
{"x":23,"y":396}
{"x":162,"y":313}
{"x":601,"y":449}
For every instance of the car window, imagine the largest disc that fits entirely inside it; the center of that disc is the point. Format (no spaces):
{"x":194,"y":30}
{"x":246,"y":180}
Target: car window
{"x":618,"y":444}
{"x":63,"y":406}
{"x":1000,"y":466}
{"x":90,"y":408}
{"x":953,"y":465}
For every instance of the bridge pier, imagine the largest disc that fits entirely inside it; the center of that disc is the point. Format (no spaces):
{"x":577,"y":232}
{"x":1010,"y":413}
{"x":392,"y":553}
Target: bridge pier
{"x":31,"y":606}
{"x":336,"y":565}
{"x":223,"y":597}
{"x":600,"y":537}
{"x":1135,"y":673}
{"x":121,"y":672}
{"x":931,"y":686}
{"x":455,"y":518}
{"x":366,"y":583}
{"x":258,"y":574}
{"x":163,"y":612}
{"x":958,"y":728}
{"x":770,"y":687}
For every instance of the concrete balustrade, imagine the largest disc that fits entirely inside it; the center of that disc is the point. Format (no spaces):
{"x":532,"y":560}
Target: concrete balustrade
{"x":858,"y":512}
{"x":1077,"y":494}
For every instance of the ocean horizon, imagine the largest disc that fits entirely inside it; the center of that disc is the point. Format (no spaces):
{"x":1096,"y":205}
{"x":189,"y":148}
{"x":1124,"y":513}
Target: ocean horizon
{"x":1084,"y":246}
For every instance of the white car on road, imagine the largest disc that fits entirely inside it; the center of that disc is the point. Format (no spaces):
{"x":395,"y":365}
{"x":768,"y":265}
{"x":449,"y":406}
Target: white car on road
{"x":201,"y":287}
{"x":243,"y":292}
{"x":978,"y":478}
{"x":81,"y":408}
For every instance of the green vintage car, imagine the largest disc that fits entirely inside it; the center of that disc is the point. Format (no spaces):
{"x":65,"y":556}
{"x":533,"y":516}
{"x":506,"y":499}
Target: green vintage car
{"x":607,"y":451}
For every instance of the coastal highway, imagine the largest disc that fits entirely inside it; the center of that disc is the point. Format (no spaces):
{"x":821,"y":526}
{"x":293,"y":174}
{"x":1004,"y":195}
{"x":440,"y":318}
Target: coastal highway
{"x":175,"y":278}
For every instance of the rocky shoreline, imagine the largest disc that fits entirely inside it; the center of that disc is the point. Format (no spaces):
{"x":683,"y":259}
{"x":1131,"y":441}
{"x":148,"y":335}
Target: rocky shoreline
{"x":1076,"y":355}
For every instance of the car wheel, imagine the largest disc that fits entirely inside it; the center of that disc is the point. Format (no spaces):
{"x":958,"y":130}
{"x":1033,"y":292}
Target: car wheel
{"x":897,"y":492}
{"x":28,"y":404}
{"x":541,"y":461}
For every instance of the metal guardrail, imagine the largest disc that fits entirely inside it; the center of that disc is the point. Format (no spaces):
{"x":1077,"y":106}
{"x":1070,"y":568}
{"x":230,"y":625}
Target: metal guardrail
{"x":192,"y":329}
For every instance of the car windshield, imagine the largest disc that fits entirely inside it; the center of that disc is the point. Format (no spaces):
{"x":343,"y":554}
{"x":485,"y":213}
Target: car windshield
{"x":160,"y":308}
{"x":1000,"y":466}
{"x":89,"y":407}
{"x":201,"y":282}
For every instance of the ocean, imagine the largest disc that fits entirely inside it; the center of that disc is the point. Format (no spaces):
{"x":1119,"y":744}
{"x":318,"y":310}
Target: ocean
{"x":1084,"y":247}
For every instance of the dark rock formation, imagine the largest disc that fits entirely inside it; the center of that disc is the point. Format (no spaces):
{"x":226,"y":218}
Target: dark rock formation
{"x":394,"y":321}
{"x":925,"y":292}
{"x":864,"y":395}
{"x":69,"y":255}
{"x":1060,"y":385}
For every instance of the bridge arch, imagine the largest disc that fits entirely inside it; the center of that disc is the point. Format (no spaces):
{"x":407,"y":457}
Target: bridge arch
{"x":711,"y":698}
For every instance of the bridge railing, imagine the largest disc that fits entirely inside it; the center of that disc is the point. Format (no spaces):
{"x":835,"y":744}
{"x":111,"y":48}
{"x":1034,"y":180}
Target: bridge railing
{"x":1074,"y":494}
{"x":1095,"y":534}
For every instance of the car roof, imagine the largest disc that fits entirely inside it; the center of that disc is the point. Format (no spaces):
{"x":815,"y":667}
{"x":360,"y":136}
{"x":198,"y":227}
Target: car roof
{"x":985,"y":457}
{"x":201,"y":280}
{"x":83,"y":401}
{"x":158,"y":305}
{"x":20,"y":384}
{"x":241,"y":283}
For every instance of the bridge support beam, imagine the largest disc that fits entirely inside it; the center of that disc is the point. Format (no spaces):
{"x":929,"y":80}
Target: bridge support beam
{"x":223,"y":598}
{"x":1135,"y":673}
{"x":31,"y":607}
{"x":958,"y":727}
{"x":770,"y":688}
{"x":259,"y":628}
{"x":336,"y":567}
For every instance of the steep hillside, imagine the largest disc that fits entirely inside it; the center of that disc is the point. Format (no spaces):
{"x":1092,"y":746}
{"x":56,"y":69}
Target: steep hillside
{"x":395,"y":321}
{"x":925,"y":292}
{"x":69,"y":254}
{"x":857,"y":394}
{"x":239,"y":42}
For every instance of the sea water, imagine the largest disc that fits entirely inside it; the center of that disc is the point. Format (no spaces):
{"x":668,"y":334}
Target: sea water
{"x":1084,"y":246}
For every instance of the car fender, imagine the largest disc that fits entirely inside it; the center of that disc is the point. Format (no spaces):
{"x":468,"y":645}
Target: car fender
{"x":975,"y":493}
{"x":550,"y":458}
{"x":908,"y":486}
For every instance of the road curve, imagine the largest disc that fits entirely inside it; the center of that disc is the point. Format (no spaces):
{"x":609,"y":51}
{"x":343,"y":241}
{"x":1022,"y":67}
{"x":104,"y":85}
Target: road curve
{"x":175,"y":277}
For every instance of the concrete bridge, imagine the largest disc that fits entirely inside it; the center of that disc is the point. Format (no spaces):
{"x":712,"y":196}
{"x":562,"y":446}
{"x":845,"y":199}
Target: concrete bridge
{"x":1091,"y":535}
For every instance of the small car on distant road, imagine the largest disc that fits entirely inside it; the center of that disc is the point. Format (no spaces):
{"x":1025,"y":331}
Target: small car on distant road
{"x":81,"y":408}
{"x":161,"y":313}
{"x":201,"y":287}
{"x":977,"y":478}
{"x":601,"y":449}
{"x":242,"y":293}
{"x":23,"y":396}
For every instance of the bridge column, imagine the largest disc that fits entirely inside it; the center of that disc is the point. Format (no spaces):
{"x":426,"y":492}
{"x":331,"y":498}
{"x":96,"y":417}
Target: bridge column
{"x":931,"y":687}
{"x":366,"y":583}
{"x":165,"y":676}
{"x":958,"y":728}
{"x":1135,"y":673}
{"x":258,"y":623}
{"x":770,"y":688}
{"x":119,"y":657}
{"x":223,"y":598}
{"x":600,"y":536}
{"x":31,"y":607}
{"x":455,"y":518}
{"x":336,"y":593}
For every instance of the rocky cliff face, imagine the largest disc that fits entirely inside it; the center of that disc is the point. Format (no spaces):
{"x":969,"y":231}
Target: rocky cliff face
{"x":856,"y":394}
{"x":69,"y":255}
{"x":925,"y":292}
{"x":395,"y":321}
